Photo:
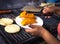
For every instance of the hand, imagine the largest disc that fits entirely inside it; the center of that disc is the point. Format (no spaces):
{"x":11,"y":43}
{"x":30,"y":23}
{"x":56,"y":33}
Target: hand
{"x":47,"y":10}
{"x":36,"y":30}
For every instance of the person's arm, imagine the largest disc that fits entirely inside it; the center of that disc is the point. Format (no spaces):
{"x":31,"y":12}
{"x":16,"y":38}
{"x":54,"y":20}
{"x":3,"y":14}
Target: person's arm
{"x":48,"y":11}
{"x":49,"y":38}
{"x":42,"y":32}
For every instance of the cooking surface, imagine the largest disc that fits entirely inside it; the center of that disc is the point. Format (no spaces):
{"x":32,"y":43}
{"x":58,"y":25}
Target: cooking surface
{"x":14,"y":38}
{"x":22,"y":36}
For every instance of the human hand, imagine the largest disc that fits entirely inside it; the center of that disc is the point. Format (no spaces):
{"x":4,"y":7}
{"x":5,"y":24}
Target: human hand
{"x":36,"y":30}
{"x":47,"y":11}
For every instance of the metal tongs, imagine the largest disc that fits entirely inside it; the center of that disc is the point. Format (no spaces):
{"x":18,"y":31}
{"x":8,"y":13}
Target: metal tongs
{"x":5,"y":11}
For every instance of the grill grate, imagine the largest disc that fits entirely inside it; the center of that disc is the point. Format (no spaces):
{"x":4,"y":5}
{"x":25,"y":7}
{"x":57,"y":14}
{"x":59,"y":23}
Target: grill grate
{"x":16,"y":37}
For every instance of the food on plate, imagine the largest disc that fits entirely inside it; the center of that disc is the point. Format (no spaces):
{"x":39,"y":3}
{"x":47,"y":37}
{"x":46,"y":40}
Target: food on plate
{"x":27,"y":21}
{"x":30,"y":15}
{"x":2,"y":23}
{"x":28,"y":18}
{"x":24,"y":14}
{"x":7,"y":21}
{"x":12,"y":28}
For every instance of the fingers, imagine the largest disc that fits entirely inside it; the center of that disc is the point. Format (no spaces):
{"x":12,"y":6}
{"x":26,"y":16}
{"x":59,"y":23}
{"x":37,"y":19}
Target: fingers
{"x":32,"y":30}
{"x":48,"y":9}
{"x":29,"y":30}
{"x":32,"y":26}
{"x":47,"y":16}
{"x":35,"y":30}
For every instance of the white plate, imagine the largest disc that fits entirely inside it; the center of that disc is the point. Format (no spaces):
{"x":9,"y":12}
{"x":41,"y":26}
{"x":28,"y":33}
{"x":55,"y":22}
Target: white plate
{"x":19,"y":20}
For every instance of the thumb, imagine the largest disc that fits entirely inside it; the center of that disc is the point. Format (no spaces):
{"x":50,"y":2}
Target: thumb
{"x":32,"y":26}
{"x":29,"y":30}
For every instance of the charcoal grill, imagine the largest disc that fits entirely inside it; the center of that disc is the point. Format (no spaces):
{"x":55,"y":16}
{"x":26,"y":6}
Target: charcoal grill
{"x":20,"y":37}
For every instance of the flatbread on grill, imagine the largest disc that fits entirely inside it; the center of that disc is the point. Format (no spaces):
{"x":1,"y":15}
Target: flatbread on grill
{"x":7,"y":21}
{"x":2,"y":23}
{"x":12,"y":28}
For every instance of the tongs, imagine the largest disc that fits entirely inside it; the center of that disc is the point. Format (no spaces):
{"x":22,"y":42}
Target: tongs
{"x":5,"y":11}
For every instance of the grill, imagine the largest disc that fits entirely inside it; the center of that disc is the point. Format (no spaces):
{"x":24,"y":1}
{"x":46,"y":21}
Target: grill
{"x":21,"y":36}
{"x":13,"y":38}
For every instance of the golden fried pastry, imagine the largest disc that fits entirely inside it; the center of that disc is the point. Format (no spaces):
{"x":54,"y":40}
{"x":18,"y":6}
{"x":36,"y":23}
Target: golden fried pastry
{"x":30,"y":15}
{"x":24,"y":14}
{"x":27,"y":21}
{"x":29,"y":18}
